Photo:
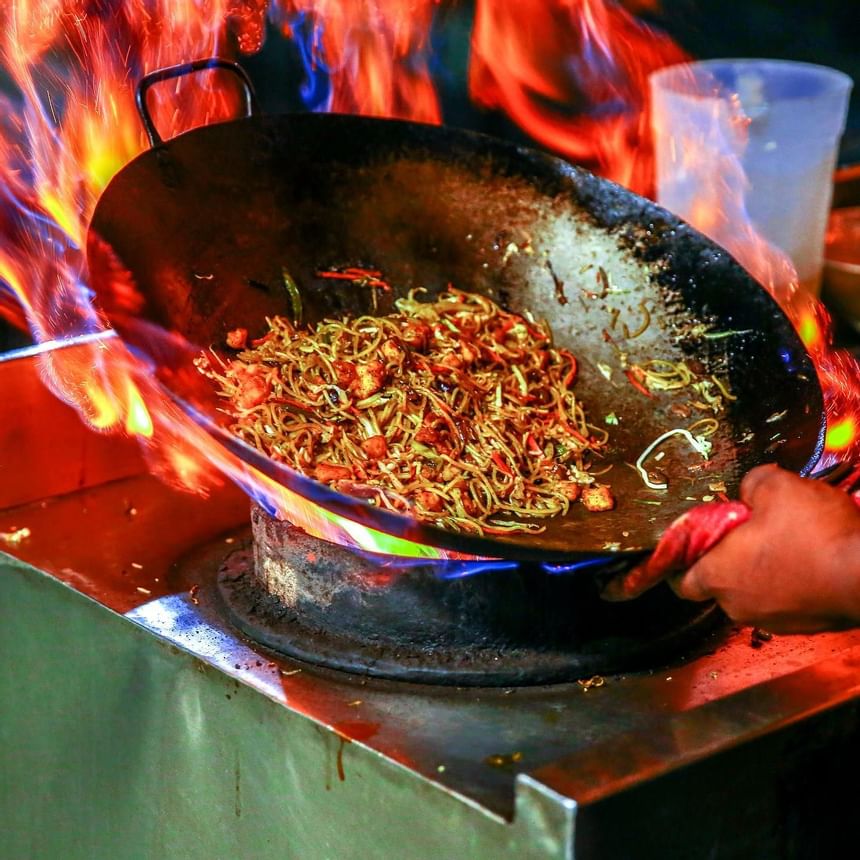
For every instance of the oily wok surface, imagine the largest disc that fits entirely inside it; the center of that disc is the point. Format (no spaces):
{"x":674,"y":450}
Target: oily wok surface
{"x":207,"y":223}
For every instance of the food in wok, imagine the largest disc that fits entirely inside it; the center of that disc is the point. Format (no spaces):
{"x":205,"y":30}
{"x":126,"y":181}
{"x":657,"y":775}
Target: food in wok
{"x":452,"y":409}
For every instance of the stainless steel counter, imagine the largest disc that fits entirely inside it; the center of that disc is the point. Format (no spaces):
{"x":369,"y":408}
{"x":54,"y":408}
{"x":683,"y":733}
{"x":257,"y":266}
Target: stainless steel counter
{"x":135,"y":722}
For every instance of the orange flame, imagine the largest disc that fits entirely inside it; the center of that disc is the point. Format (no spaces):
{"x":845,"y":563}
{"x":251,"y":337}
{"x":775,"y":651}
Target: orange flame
{"x":573,"y":74}
{"x":74,"y":124}
{"x":72,"y":128}
{"x":376,"y":54}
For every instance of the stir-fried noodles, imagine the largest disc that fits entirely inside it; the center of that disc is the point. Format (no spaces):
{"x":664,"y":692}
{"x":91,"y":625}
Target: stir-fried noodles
{"x":454,"y":410}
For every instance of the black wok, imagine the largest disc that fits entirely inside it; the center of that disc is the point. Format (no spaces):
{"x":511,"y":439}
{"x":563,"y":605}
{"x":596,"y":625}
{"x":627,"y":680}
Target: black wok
{"x":206,"y":222}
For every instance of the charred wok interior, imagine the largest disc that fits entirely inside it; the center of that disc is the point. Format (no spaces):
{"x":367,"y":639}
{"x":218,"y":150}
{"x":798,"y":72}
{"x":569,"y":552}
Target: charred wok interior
{"x":207,"y":222}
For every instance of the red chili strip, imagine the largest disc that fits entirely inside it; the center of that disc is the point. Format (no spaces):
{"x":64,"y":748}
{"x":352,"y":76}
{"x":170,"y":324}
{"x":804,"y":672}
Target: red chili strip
{"x":371,"y":276}
{"x":634,"y":381}
{"x":363,"y":273}
{"x":501,"y":464}
{"x":493,"y":354}
{"x":349,"y":274}
{"x":336,"y":276}
{"x":537,"y":334}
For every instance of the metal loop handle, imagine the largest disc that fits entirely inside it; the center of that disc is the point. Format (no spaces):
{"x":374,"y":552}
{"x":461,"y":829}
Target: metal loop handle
{"x":251,"y":105}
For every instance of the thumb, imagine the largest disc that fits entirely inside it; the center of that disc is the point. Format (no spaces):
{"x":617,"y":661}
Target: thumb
{"x":763,"y":484}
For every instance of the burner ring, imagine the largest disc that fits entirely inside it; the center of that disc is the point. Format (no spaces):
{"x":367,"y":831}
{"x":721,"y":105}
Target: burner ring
{"x":509,"y":627}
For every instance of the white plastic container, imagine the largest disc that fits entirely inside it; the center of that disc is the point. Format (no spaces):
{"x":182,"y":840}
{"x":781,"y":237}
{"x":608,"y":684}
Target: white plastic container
{"x":756,"y":138}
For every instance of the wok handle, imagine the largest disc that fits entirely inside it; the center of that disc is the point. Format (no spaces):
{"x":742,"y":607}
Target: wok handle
{"x":165,"y":74}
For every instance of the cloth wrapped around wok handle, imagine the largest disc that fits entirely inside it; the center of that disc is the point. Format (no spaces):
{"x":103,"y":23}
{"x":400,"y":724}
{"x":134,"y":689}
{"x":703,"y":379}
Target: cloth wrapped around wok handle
{"x":698,"y":531}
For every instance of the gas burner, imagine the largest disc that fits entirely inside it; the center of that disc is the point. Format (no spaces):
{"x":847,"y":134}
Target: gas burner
{"x":472,"y":623}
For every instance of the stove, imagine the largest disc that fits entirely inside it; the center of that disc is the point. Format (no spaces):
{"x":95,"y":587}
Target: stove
{"x":487,"y":622}
{"x":140,"y":719}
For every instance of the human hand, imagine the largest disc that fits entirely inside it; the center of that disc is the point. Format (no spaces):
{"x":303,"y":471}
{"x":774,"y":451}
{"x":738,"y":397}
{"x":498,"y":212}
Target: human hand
{"x":793,"y":566}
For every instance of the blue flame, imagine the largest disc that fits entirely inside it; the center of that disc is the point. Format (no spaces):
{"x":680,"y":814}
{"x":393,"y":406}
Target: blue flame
{"x":443,"y":568}
{"x":461,"y":569}
{"x":307,"y":37}
{"x":259,"y":496}
{"x":788,"y":359}
{"x":574,"y":567}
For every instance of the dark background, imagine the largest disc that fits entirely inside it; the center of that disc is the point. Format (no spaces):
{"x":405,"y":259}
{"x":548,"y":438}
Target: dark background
{"x":819,"y":31}
{"x":815,"y":31}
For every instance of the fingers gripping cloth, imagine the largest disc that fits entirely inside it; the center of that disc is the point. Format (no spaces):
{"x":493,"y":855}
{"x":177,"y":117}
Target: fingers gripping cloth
{"x":686,"y":540}
{"x":689,"y":537}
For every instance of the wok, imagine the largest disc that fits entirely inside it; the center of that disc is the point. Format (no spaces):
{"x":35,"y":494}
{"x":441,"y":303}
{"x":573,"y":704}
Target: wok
{"x":206,"y":223}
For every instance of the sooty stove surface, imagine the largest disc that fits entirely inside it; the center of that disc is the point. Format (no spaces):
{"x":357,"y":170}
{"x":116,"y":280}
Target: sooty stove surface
{"x":708,"y":753}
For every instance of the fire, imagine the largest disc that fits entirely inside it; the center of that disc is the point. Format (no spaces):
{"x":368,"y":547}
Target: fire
{"x":107,"y":410}
{"x":138,"y":421}
{"x":375,"y":53}
{"x":73,"y":124}
{"x":810,"y":331}
{"x":572,"y":73}
{"x":841,"y":434}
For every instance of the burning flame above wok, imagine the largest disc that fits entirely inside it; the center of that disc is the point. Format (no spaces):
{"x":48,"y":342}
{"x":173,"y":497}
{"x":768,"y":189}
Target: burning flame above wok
{"x":571,"y":73}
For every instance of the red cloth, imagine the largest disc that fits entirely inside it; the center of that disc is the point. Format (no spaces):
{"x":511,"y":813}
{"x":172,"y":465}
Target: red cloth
{"x":683,"y":543}
{"x":690,"y":537}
